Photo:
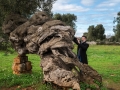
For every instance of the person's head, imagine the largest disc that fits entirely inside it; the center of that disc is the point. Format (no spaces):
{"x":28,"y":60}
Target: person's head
{"x":83,"y":38}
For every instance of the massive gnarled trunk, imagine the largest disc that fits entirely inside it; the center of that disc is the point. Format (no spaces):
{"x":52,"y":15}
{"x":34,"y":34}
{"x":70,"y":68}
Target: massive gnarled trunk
{"x":52,"y":41}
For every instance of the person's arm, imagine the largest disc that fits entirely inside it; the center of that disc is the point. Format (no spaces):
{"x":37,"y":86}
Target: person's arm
{"x":84,"y":46}
{"x":75,"y":40}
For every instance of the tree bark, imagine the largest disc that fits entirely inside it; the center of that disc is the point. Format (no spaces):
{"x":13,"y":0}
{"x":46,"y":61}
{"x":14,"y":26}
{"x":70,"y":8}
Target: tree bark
{"x":52,"y":41}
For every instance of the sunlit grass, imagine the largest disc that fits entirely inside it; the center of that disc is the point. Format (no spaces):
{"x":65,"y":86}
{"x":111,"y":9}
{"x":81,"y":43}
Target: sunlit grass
{"x":7,"y":79}
{"x":104,"y":59}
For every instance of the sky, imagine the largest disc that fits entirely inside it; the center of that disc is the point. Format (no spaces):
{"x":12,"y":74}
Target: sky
{"x":90,"y":12}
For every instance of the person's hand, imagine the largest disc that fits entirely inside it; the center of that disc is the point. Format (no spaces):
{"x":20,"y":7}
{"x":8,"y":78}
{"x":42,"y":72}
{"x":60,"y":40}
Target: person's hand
{"x":78,"y":40}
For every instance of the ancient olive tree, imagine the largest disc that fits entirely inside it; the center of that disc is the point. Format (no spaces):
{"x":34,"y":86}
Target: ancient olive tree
{"x":24,"y":8}
{"x":52,"y":41}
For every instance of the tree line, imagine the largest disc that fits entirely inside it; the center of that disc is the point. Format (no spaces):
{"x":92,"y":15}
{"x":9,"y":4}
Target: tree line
{"x":95,"y":33}
{"x":116,"y":28}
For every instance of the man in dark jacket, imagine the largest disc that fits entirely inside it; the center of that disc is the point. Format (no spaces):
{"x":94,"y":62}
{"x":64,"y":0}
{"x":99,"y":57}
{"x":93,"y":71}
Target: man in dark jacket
{"x":82,"y":48}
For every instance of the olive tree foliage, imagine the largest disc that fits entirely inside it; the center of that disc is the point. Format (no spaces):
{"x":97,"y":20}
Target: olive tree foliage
{"x":116,"y":28}
{"x":85,"y":34}
{"x":96,"y":33}
{"x":100,"y":30}
{"x":91,"y":33}
{"x":24,"y":8}
{"x":3,"y":38}
{"x":68,"y":18}
{"x":46,"y":5}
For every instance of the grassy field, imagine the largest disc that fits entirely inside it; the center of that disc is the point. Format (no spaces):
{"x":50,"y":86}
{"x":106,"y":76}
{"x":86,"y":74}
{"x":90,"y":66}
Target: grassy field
{"x":104,"y":59}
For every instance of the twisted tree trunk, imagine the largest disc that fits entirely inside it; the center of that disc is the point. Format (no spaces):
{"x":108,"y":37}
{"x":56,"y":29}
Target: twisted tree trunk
{"x":52,"y":41}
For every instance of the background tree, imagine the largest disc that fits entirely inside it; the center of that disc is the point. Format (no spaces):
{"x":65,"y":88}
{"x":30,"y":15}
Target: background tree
{"x":112,"y":39}
{"x":99,"y":31}
{"x":85,"y":34}
{"x":116,"y":28}
{"x":68,"y":18}
{"x":96,"y":33}
{"x":3,"y":38}
{"x":46,"y":5}
{"x":91,"y":33}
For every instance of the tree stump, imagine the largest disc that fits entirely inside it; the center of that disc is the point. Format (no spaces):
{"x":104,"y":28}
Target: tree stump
{"x":21,"y":65}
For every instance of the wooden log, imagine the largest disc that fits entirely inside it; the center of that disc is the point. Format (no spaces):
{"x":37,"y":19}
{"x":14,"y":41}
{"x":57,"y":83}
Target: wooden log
{"x":19,"y":67}
{"x":20,"y":59}
{"x":28,"y":66}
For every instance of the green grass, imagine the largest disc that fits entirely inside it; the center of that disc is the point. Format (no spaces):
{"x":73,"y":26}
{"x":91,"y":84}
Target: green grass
{"x":104,"y":59}
{"x":7,"y":79}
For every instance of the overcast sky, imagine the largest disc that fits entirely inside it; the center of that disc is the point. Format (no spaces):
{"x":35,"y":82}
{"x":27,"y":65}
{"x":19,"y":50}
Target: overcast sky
{"x":90,"y":12}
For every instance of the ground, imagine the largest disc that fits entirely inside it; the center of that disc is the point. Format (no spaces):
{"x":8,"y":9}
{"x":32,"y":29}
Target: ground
{"x":104,"y":59}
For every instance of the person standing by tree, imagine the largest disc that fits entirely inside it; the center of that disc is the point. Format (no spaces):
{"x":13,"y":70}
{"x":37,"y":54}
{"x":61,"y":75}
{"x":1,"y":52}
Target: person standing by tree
{"x":82,"y":48}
